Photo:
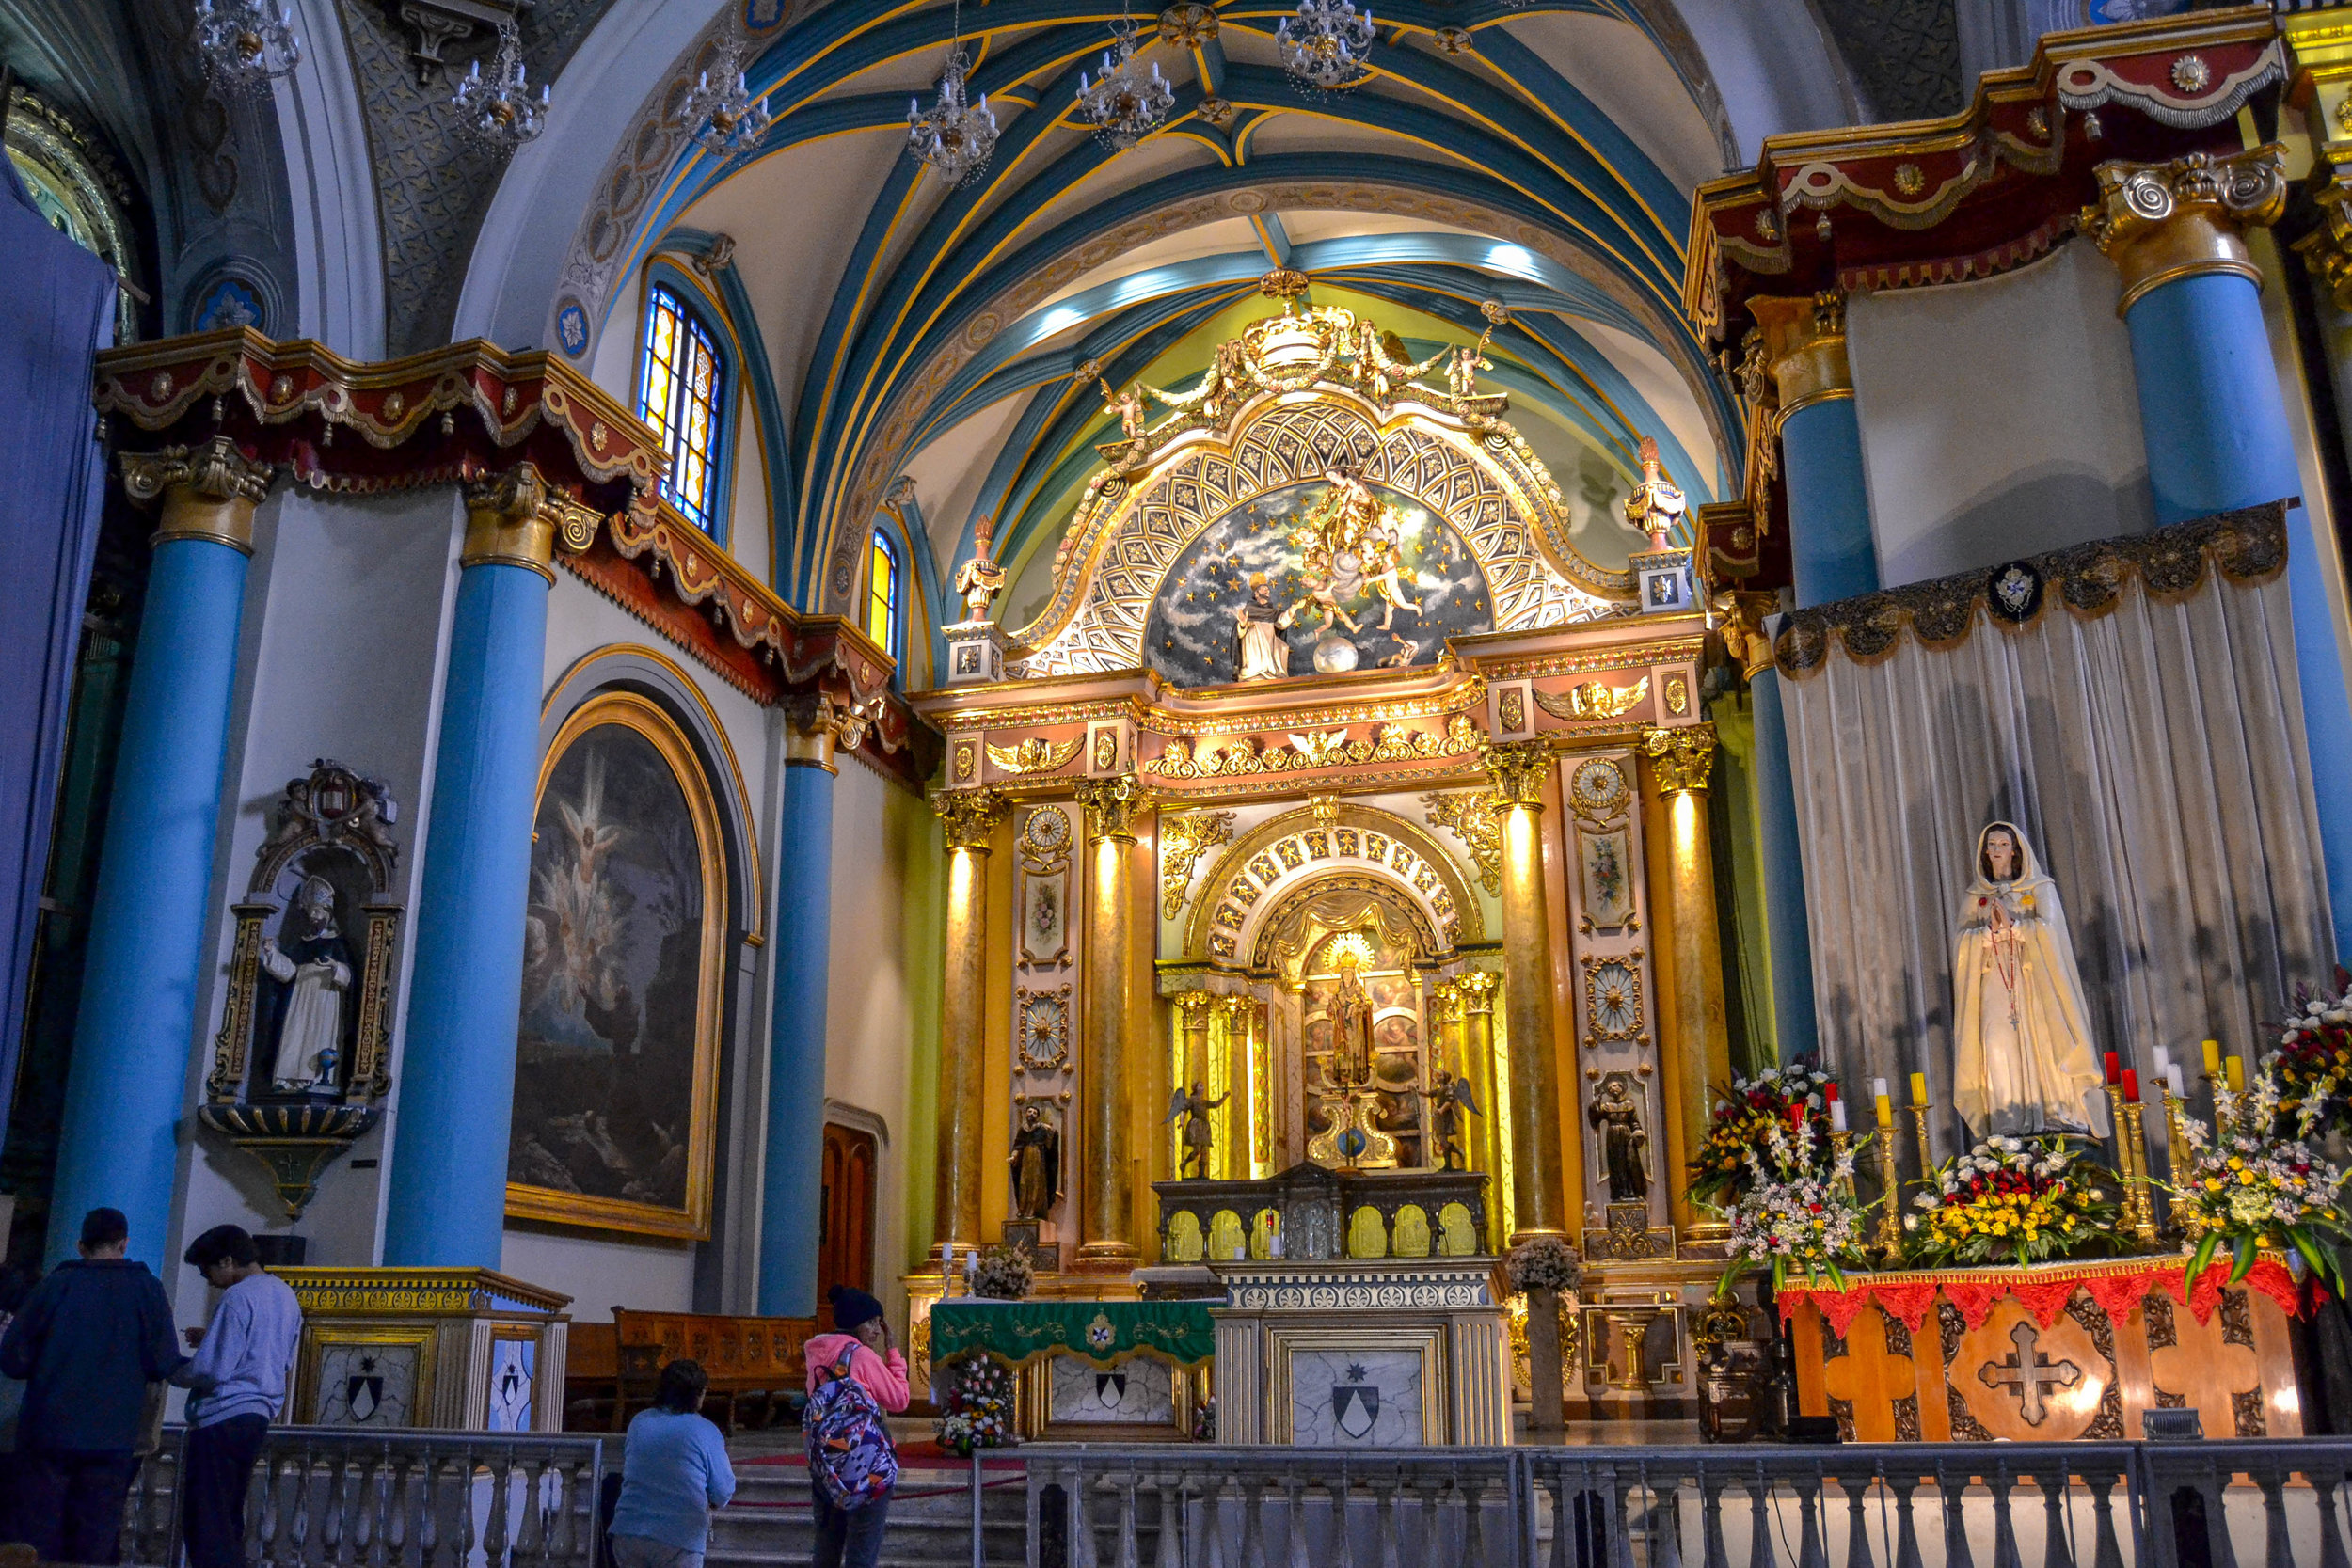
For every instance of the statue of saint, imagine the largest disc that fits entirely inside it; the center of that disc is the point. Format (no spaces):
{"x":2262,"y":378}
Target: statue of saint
{"x":2022,"y":1056}
{"x":1351,"y":1028}
{"x":1625,"y":1143}
{"x":1264,"y":655}
{"x":312,"y":971}
{"x":1449,"y":1097}
{"x":1194,"y":1108}
{"x":1036,"y":1165}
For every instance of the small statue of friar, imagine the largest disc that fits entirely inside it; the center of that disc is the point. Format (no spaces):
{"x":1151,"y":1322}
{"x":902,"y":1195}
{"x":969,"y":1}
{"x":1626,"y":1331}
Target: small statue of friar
{"x":1036,"y":1165}
{"x":1194,"y":1108}
{"x":1625,"y":1143}
{"x":1447,"y":1098}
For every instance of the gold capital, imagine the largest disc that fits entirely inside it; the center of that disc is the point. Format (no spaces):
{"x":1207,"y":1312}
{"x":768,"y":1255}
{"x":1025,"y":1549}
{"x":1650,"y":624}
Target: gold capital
{"x":1518,"y":768}
{"x":816,"y":724}
{"x":1682,"y":758}
{"x":970,"y":814}
{"x":1805,"y":346}
{"x":511,"y":520}
{"x":2328,"y":248}
{"x":1111,"y":805}
{"x":209,"y":492}
{"x":2157,"y":222}
{"x":1476,"y":988}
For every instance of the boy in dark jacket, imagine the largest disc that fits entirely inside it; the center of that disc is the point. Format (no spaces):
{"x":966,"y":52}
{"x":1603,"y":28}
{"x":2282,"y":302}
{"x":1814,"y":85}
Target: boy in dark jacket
{"x":87,"y":1343}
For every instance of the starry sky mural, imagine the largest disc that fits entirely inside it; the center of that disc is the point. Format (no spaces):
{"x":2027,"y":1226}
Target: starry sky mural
{"x":1192,"y":638}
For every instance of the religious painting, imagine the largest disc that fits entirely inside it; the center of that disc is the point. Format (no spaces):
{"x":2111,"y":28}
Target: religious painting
{"x":1304,"y":589}
{"x":1604,"y":863}
{"x":616,"y":1060}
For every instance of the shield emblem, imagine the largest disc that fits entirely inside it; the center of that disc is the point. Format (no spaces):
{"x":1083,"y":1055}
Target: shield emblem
{"x":1110,"y":1389}
{"x":330,"y":799}
{"x":363,"y":1393}
{"x":1355,"y":1407}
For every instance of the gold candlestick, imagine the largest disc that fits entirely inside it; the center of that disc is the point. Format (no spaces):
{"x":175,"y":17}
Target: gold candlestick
{"x":1839,"y":1144}
{"x":1919,"y":1110}
{"x":1890,"y":1234}
{"x":2175,"y":1149}
{"x":2143,"y":1201}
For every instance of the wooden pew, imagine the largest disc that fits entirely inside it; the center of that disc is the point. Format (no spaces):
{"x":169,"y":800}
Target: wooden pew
{"x":754,"y":1364}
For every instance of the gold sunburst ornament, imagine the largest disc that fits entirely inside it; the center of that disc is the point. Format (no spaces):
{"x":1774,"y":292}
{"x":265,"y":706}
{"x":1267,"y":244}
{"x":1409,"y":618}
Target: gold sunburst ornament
{"x":1035,"y":754}
{"x":1350,"y":950}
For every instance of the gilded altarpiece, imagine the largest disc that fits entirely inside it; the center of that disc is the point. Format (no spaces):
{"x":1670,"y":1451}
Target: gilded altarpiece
{"x":1350,"y":866}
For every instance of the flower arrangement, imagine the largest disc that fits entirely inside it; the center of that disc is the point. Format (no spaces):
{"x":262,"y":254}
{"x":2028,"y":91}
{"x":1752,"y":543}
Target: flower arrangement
{"x":2015,"y":1199}
{"x":1743,"y":1113}
{"x":2247,"y":1186}
{"x":1544,"y":1263}
{"x":1798,"y":1212}
{"x":978,"y":1411}
{"x":2313,"y":1064}
{"x":1003,"y":1274}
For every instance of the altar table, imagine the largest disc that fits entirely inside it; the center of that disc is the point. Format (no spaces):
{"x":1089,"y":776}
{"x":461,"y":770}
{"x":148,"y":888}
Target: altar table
{"x":1139,"y":1366}
{"x":2049,"y":1352}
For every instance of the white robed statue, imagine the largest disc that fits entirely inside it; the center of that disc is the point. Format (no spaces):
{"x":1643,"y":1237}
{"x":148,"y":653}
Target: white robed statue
{"x":314,"y":972}
{"x":2022,"y":1060}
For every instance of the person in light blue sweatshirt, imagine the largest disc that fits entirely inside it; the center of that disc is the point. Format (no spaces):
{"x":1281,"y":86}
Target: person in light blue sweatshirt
{"x":238,"y":1387}
{"x":673,"y":1472}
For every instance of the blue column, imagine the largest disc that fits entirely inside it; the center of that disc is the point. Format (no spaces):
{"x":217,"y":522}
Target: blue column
{"x":133,"y":1036}
{"x":1788,"y":936}
{"x":2215,"y":427}
{"x":1830,"y":545}
{"x":792,"y":1177}
{"x":446,"y":1200}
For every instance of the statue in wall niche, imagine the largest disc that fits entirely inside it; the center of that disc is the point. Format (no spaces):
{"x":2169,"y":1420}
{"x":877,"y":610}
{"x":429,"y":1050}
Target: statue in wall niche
{"x":1036,"y":1165}
{"x":1194,"y":1108}
{"x":2022,"y":1055}
{"x":1449,"y":1097}
{"x":1625,"y":1143}
{"x":311,"y":972}
{"x":1351,"y":1027}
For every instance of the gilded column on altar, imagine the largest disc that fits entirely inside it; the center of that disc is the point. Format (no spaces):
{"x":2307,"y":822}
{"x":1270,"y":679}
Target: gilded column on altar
{"x":1229,"y":1076}
{"x":1193,"y":1011}
{"x":971,"y":818}
{"x":1106,"y":1199}
{"x":1518,"y":769}
{"x":1697,"y":1054}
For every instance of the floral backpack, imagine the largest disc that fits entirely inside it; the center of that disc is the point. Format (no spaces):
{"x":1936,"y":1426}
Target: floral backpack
{"x":849,"y":1453}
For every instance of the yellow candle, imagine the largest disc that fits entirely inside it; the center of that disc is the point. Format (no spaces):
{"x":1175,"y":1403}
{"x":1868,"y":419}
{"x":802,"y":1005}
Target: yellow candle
{"x":2213,"y":1058}
{"x":1918,"y":1089}
{"x":1885,"y":1110}
{"x":2236,"y":1068}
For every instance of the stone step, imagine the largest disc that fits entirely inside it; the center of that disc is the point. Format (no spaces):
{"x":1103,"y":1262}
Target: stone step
{"x":769,"y":1524}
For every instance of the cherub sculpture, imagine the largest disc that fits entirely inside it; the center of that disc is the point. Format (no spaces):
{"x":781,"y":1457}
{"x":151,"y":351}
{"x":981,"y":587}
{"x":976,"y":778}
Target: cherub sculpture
{"x":1129,"y":406}
{"x":1194,"y":1108}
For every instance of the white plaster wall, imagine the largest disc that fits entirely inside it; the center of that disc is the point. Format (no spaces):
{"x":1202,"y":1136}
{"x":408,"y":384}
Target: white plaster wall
{"x":869,"y":1014}
{"x":345,"y":628}
{"x":1998,"y":418}
{"x":599,"y":1271}
{"x":748,"y":538}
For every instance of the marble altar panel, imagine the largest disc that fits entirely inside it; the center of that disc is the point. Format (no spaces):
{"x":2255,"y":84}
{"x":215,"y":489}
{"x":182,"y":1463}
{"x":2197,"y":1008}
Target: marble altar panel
{"x":1354,"y":1398}
{"x":1139,"y":1392}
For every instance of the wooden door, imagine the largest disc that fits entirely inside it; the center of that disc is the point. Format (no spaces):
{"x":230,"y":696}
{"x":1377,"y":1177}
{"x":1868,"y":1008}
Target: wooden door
{"x":845,"y":1227}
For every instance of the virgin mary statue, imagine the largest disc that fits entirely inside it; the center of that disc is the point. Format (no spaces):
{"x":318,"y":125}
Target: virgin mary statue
{"x":2022,"y":1060}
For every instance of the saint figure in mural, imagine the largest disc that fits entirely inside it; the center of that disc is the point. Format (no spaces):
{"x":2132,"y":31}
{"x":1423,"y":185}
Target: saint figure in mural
{"x":312,"y":971}
{"x":1035,"y":1165}
{"x":1263,"y":654}
{"x":2022,"y":1060}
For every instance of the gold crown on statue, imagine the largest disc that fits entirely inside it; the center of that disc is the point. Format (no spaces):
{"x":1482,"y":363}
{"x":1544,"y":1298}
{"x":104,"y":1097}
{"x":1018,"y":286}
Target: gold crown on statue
{"x":1350,"y":950}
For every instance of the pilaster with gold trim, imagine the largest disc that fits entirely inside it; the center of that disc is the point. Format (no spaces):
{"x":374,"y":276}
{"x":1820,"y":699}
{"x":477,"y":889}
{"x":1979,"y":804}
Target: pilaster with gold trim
{"x":1696,"y":1052}
{"x":1107,"y":1078}
{"x":971,"y":818}
{"x":1519,"y":771}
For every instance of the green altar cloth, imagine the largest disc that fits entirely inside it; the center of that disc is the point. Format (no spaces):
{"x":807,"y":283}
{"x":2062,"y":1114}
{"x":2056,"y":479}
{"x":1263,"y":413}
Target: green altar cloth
{"x":1103,"y":1332}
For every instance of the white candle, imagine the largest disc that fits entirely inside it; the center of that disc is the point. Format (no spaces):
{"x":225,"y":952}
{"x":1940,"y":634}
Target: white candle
{"x":947,"y":1260}
{"x":1837,"y":1115}
{"x":2172,"y":1080}
{"x":1878,"y":1088}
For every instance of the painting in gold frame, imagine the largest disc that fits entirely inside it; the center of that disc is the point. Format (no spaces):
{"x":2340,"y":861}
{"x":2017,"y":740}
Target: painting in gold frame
{"x":616,"y":1059}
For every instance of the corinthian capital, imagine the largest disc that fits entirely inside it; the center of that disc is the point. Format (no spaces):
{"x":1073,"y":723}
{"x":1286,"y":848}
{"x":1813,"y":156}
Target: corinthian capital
{"x":2328,"y":248}
{"x":1517,"y":770}
{"x":2159,"y":222}
{"x":1682,"y":758}
{"x":1111,"y":805}
{"x":970,"y":815}
{"x":209,"y":492}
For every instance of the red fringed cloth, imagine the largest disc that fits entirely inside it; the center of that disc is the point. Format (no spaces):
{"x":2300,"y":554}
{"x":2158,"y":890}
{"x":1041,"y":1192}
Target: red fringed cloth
{"x":2043,"y":1290}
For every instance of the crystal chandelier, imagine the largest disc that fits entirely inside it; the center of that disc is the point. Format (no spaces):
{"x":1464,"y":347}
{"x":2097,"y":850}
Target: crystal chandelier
{"x":498,"y":115}
{"x":1124,"y":106}
{"x":1326,"y":45}
{"x":731,"y":119}
{"x":243,"y":47}
{"x":955,"y":137}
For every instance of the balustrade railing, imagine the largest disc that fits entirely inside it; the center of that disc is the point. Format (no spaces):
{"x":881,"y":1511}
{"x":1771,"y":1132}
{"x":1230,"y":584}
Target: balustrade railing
{"x":333,"y":1498}
{"x":2006,"y":1505}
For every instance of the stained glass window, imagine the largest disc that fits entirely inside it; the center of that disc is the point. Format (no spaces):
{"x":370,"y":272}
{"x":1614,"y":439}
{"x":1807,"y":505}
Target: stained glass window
{"x":882,"y":594}
{"x":678,"y":390}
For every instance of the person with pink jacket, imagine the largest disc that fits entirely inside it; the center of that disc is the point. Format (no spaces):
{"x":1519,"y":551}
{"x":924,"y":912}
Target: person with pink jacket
{"x":852,"y":1537}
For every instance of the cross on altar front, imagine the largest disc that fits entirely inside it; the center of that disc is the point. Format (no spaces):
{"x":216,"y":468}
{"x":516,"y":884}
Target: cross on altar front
{"x":2026,"y":1373}
{"x":1870,"y":1378}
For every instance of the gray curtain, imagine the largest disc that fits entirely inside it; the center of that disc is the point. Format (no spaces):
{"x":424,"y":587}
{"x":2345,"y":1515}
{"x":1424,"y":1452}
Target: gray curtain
{"x":2139,"y":718}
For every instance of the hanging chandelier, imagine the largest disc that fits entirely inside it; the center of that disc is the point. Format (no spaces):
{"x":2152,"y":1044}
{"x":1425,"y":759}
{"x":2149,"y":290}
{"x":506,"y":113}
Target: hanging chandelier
{"x":1124,"y":106}
{"x":955,"y":137}
{"x":498,"y":113}
{"x":1326,"y":45}
{"x":243,"y":47}
{"x":731,"y":121}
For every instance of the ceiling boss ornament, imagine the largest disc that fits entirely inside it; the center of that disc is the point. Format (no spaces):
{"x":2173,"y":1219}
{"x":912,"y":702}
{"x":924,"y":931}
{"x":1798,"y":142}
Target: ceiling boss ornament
{"x":955,"y":137}
{"x":1326,"y":45}
{"x":1124,"y":104}
{"x":242,"y":46}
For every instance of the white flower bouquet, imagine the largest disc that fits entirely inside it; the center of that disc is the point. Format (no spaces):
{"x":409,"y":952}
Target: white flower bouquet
{"x":2248,"y":1185}
{"x":1798,"y":1213}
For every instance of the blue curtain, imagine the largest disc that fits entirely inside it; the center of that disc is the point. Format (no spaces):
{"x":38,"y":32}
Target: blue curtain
{"x":62,"y":308}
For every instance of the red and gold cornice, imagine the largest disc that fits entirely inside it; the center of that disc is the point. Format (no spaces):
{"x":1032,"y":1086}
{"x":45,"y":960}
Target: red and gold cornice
{"x":464,"y":414}
{"x":1981,"y":191}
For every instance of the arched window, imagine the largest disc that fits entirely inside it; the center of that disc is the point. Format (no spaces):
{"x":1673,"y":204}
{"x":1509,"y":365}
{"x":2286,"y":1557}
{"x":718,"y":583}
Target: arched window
{"x":681,"y":389}
{"x":883,"y":591}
